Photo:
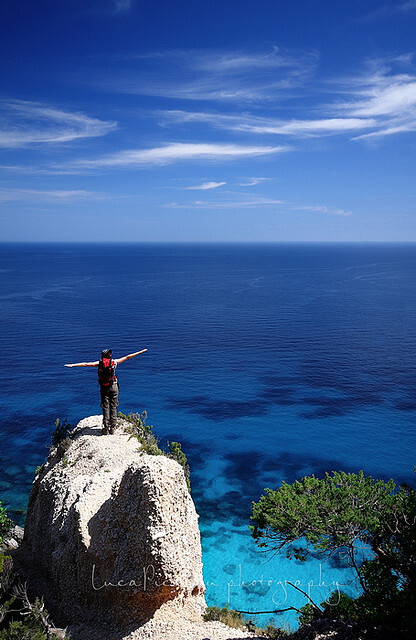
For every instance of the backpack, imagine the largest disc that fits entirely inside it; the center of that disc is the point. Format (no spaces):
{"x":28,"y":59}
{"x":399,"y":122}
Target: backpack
{"x":106,"y":372}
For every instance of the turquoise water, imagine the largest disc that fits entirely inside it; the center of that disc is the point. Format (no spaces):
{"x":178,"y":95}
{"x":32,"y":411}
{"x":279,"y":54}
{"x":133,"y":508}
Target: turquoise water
{"x":268,"y":362}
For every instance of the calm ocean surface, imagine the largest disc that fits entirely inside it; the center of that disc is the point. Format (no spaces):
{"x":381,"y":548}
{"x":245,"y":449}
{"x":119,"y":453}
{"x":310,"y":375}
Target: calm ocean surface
{"x":268,"y":362}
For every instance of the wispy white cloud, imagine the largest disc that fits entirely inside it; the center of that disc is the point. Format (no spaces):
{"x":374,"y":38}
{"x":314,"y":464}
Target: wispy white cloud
{"x":206,"y":186}
{"x":380,"y":101}
{"x":42,"y":170}
{"x":389,"y":131}
{"x":408,"y":6}
{"x":322,"y":209}
{"x":252,"y":182}
{"x":233,"y":62}
{"x":25,"y":123}
{"x":9,"y":195}
{"x":230,"y":203}
{"x":384,"y":96}
{"x":266,"y":125}
{"x":121,"y":6}
{"x":209,"y":75}
{"x":309,"y":128}
{"x":390,"y":10}
{"x":232,"y":200}
{"x":176,"y":152}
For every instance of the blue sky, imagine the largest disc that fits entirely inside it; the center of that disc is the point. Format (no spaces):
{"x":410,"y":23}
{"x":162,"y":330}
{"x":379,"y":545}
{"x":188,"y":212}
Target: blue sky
{"x":129,"y":120}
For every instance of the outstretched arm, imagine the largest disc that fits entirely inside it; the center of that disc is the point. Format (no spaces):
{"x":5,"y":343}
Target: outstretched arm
{"x":131,"y":355}
{"x":83,"y":364}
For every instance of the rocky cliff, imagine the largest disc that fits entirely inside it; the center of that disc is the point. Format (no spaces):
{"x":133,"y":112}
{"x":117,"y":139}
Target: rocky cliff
{"x":112,"y":535}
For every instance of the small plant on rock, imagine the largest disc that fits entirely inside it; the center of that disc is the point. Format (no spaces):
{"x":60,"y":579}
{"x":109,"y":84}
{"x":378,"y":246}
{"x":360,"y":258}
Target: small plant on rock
{"x":61,"y":432}
{"x":143,"y":432}
{"x":227,"y":616}
{"x":39,"y":469}
{"x":272,"y":632}
{"x":138,"y":428}
{"x":5,"y":524}
{"x":33,"y":621}
{"x":61,"y":437}
{"x":177,"y":454}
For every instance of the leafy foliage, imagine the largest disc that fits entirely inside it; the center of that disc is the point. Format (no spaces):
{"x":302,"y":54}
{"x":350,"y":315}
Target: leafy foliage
{"x":345,"y":510}
{"x":14,"y":601}
{"x":337,"y":606}
{"x":139,"y":429}
{"x":272,"y":632}
{"x":61,"y":432}
{"x":39,"y":469}
{"x":61,"y":437}
{"x":177,"y":454}
{"x":227,"y":616}
{"x":18,"y":630}
{"x":22,"y":619}
{"x":5,"y":561}
{"x":330,"y":513}
{"x":236,"y":620}
{"x":143,"y":432}
{"x":5,"y":524}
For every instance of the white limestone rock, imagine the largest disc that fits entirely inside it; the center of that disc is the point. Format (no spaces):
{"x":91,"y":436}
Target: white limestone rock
{"x":112,"y":534}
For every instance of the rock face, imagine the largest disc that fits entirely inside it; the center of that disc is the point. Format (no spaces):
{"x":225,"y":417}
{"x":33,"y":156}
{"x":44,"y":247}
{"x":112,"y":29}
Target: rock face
{"x":112,"y":534}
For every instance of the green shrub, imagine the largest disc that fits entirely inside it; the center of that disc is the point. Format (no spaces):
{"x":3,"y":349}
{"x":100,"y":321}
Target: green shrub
{"x":6,"y":570}
{"x":235,"y":619}
{"x":340,"y":606}
{"x":272,"y":632}
{"x":39,"y":469}
{"x":5,"y":524}
{"x":139,"y":429}
{"x":348,"y":511}
{"x":62,"y":448}
{"x":176,"y":453}
{"x":307,"y":613}
{"x":61,"y":432}
{"x":18,"y":630}
{"x":125,"y":418}
{"x":227,"y":616}
{"x":143,"y":432}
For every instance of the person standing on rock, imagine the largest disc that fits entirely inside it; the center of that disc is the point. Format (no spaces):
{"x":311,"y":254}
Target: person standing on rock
{"x":107,"y":380}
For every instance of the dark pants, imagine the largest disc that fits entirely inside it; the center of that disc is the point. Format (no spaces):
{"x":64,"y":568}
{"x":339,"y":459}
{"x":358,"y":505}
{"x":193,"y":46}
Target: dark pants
{"x":109,"y":404}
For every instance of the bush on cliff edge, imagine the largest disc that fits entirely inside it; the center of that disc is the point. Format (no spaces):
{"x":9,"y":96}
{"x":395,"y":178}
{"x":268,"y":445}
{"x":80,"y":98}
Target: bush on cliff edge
{"x":5,"y":524}
{"x":143,"y":432}
{"x":346,"y":511}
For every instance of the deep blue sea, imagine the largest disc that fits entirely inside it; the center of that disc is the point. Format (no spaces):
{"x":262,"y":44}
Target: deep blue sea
{"x":268,"y":363}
